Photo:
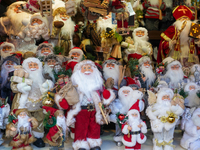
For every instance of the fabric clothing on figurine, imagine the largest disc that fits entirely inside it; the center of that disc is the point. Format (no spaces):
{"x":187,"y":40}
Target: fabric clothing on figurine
{"x":44,"y":49}
{"x":163,"y":115}
{"x":6,"y":49}
{"x":190,"y":139}
{"x":134,"y":130}
{"x":87,"y":123}
{"x":175,"y":41}
{"x":193,"y":69}
{"x":21,"y":130}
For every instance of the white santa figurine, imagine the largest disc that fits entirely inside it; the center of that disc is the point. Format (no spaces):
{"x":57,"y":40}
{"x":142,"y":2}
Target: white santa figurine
{"x":174,"y":75}
{"x":6,"y":49}
{"x":146,"y":68}
{"x":76,"y":55}
{"x":190,"y":139}
{"x":164,"y":116}
{"x":30,"y":96}
{"x":44,"y":49}
{"x":134,"y":130}
{"x":89,"y":82}
{"x":37,"y":27}
{"x":195,"y":73}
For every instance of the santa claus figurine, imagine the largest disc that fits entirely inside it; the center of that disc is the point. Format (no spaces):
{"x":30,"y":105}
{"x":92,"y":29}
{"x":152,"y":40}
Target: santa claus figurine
{"x":7,"y":70}
{"x":192,"y":100}
{"x":86,"y":113}
{"x":44,"y":49}
{"x":76,"y":55}
{"x":6,"y":49}
{"x":134,"y":130}
{"x":37,"y":27}
{"x":146,"y":69}
{"x":190,"y":139}
{"x":174,"y":75}
{"x":30,"y":96}
{"x":195,"y":74}
{"x":175,"y":41}
{"x":21,"y":129}
{"x":50,"y":61}
{"x":164,"y":114}
{"x":141,"y":44}
{"x":55,"y":136}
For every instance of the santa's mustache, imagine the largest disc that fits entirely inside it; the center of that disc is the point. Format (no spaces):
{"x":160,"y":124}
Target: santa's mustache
{"x":33,"y":69}
{"x":45,"y":53}
{"x":87,"y":72}
{"x":35,"y":24}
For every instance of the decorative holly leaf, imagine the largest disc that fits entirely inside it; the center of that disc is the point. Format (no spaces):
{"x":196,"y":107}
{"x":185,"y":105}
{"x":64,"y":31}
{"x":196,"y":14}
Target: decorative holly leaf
{"x":198,"y":93}
{"x":156,"y":83}
{"x":12,"y":118}
{"x":183,"y":93}
{"x":121,"y":119}
{"x":58,"y":50}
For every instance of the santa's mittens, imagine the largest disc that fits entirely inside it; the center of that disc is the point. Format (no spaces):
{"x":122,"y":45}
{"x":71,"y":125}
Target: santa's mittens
{"x":64,"y":104}
{"x":106,"y":94}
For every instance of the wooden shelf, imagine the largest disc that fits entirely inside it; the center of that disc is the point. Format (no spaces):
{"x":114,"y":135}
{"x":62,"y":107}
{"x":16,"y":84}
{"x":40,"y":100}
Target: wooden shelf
{"x":154,"y":35}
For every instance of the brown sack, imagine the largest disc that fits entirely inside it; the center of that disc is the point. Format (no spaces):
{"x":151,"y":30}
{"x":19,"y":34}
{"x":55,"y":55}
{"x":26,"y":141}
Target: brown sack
{"x":69,"y":93}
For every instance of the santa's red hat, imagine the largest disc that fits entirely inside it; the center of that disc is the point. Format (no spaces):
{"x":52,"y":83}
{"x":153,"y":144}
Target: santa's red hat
{"x":134,"y":108}
{"x":53,"y":111}
{"x":111,"y":60}
{"x":76,"y":50}
{"x":182,"y":11}
{"x":2,"y":44}
{"x":134,"y":56}
{"x":130,"y":82}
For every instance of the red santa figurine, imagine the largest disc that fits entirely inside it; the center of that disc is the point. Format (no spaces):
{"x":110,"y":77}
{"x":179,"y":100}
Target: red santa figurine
{"x":86,"y":113}
{"x":6,"y":49}
{"x":175,"y":41}
{"x":134,"y":130}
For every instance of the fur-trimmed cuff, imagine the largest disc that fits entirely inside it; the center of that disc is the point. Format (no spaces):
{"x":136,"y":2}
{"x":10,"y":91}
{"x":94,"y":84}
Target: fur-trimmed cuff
{"x":94,"y":142}
{"x":57,"y":98}
{"x":70,"y":116}
{"x":141,"y":141}
{"x":38,"y":134}
{"x":144,"y":127}
{"x":110,"y":99}
{"x":125,"y":129}
{"x":117,"y":138}
{"x":80,"y":144}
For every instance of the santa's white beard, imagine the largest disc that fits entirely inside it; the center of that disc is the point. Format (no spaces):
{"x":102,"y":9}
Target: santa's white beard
{"x":37,"y":30}
{"x":196,"y":120}
{"x":39,"y":54}
{"x":61,"y":122}
{"x":162,"y":107}
{"x":176,"y":76}
{"x":68,"y":28}
{"x":134,"y":122}
{"x":154,"y":2}
{"x":113,"y":73}
{"x":76,"y":59}
{"x":149,"y":74}
{"x":140,"y":41}
{"x":184,"y":34}
{"x":87,"y":83}
{"x":102,"y":24}
{"x":4,"y":72}
{"x":127,"y":102}
{"x":4,"y":55}
{"x":193,"y":99}
{"x":49,"y":70}
{"x":23,"y":122}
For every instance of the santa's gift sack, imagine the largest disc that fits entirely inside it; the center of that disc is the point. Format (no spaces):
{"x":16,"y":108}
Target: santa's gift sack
{"x":21,"y":80}
{"x":69,"y":93}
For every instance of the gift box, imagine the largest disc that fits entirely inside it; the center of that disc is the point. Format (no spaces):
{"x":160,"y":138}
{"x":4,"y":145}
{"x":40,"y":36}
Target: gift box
{"x":20,"y":80}
{"x":194,"y":30}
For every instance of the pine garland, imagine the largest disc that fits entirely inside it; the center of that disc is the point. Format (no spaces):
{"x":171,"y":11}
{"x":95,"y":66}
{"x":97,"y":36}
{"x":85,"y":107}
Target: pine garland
{"x":133,"y":65}
{"x":46,"y":118}
{"x":62,"y":71}
{"x":58,"y":50}
{"x":120,"y":122}
{"x":183,"y":93}
{"x":11,"y":118}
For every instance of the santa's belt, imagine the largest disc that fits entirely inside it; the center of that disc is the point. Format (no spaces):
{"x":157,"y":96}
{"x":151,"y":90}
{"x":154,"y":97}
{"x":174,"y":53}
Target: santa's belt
{"x":135,"y":132}
{"x":22,"y":132}
{"x":89,"y":107}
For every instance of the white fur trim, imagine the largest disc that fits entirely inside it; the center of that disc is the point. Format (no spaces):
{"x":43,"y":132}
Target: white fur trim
{"x":23,"y":88}
{"x":168,"y":60}
{"x":84,"y":62}
{"x":132,"y":143}
{"x":110,"y":99}
{"x":125,"y":129}
{"x":144,"y":127}
{"x":76,"y":50}
{"x":57,"y":98}
{"x":7,"y":44}
{"x":73,"y":112}
{"x":38,"y":134}
{"x":144,"y":59}
{"x":150,"y":114}
{"x":117,"y":138}
{"x":94,"y":142}
{"x":141,"y":141}
{"x":173,"y":63}
{"x":80,"y":144}
{"x":72,"y":135}
{"x":187,"y":86}
{"x":22,"y":100}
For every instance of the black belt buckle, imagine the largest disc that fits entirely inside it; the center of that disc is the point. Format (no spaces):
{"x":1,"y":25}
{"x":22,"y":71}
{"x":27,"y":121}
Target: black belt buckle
{"x":90,"y":107}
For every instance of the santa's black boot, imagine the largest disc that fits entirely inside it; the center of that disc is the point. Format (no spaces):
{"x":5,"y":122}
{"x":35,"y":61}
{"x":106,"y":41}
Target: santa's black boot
{"x":39,"y":143}
{"x":96,"y":148}
{"x":81,"y":149}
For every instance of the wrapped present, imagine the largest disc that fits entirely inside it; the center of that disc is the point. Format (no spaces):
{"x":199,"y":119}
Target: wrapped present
{"x":194,"y":30}
{"x":20,"y":80}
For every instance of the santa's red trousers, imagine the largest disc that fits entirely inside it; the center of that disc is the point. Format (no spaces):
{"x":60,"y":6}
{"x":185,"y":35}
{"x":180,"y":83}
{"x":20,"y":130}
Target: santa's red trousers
{"x":86,"y":126}
{"x":136,"y":147}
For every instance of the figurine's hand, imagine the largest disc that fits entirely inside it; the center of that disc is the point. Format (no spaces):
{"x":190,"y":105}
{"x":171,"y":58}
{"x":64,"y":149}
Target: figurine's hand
{"x":140,"y":125}
{"x":23,"y":88}
{"x":29,"y":119}
{"x":174,"y":42}
{"x":198,"y":128}
{"x":61,"y":134}
{"x":13,"y":129}
{"x":129,"y":128}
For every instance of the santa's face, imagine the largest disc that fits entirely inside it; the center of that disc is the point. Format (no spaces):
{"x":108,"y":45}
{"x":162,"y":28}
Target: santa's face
{"x":110,"y":65}
{"x":175,"y":67}
{"x":7,"y":49}
{"x":33,"y":66}
{"x":135,"y":115}
{"x":61,"y":115}
{"x":86,"y":69}
{"x":146,"y":64}
{"x":9,"y":64}
{"x":51,"y":63}
{"x":140,"y":33}
{"x":45,"y":51}
{"x":75,"y":55}
{"x":23,"y":114}
{"x":166,"y":98}
{"x":191,"y":87}
{"x":64,"y":16}
{"x":126,"y":92}
{"x":36,"y":21}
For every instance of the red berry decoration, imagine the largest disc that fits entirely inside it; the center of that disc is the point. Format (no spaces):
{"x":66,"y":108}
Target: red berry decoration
{"x":50,"y":117}
{"x":121,"y":117}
